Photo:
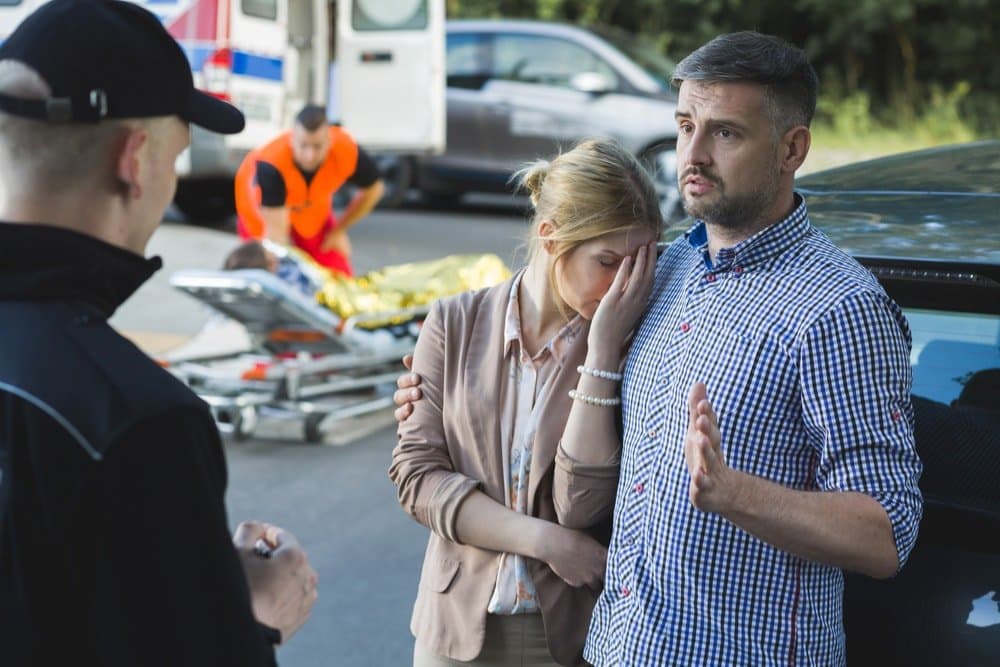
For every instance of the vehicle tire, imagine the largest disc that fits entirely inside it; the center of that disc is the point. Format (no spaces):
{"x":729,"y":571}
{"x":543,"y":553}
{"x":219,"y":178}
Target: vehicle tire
{"x":207,"y":201}
{"x":310,"y":427}
{"x":660,"y":160}
{"x":441,"y":199}
{"x":397,"y":174}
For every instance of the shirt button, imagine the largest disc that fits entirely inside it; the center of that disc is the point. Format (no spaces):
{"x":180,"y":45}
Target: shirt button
{"x":626,"y":592}
{"x":651,"y":433}
{"x":710,"y":277}
{"x":897,"y":415}
{"x":685,"y":327}
{"x":737,"y":270}
{"x":640,"y":487}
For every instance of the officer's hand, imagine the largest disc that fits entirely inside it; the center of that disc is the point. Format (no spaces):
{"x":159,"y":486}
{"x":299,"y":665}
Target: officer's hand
{"x":282,"y":583}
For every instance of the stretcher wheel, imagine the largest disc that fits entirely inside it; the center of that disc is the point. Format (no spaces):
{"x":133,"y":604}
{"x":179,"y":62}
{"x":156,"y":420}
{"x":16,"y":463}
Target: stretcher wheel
{"x":244,"y":423}
{"x":311,"y":429}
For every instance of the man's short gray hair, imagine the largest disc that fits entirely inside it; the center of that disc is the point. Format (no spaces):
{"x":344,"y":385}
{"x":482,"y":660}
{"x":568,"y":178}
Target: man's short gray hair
{"x":789,"y":80}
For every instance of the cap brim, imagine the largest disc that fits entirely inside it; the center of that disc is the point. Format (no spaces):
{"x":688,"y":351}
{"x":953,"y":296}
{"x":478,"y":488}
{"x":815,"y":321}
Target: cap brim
{"x":213,"y":114}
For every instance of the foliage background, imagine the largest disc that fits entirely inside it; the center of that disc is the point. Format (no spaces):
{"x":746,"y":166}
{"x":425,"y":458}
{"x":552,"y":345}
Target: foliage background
{"x":894,"y":74}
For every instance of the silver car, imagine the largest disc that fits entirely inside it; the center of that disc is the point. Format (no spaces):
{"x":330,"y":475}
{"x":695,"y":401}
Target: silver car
{"x":520,"y":90}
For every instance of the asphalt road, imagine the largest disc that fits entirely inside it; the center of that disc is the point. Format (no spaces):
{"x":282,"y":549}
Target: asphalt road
{"x":337,"y":499}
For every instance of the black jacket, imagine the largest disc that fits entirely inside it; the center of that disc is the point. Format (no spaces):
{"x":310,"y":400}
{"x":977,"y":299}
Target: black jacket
{"x":114,"y":540}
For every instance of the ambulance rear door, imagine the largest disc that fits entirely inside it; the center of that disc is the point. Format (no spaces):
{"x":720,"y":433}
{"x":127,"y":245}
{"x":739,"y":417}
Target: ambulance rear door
{"x":390,"y":78}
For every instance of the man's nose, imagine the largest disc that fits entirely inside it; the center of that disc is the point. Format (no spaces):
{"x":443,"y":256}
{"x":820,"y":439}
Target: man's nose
{"x":697,"y":149}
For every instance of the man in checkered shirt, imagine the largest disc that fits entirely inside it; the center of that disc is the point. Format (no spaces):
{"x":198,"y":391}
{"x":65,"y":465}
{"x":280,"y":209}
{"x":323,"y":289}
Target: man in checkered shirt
{"x":767,"y":426}
{"x":768,"y":441}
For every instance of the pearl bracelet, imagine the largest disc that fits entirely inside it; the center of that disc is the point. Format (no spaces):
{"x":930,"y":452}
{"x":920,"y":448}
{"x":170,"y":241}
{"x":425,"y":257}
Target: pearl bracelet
{"x":599,"y":373}
{"x":594,"y":400}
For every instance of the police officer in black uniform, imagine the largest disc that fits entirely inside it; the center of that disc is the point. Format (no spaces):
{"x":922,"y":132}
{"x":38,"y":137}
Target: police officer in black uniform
{"x":114,"y":543}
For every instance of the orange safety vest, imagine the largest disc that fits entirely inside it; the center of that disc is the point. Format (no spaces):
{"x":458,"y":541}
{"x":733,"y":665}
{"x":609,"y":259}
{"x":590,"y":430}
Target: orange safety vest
{"x":309,"y":206}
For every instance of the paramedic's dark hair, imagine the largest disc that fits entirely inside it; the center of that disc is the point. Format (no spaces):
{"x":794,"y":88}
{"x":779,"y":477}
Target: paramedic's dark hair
{"x":250,"y":255}
{"x":790,"y":81}
{"x":312,"y":117}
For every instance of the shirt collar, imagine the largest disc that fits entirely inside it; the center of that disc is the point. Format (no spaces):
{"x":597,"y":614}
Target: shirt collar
{"x":757,"y":249}
{"x":557,"y":346}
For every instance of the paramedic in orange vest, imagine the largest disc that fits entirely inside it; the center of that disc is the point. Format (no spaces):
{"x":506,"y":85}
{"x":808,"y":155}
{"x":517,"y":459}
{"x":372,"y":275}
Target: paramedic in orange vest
{"x":284,"y":189}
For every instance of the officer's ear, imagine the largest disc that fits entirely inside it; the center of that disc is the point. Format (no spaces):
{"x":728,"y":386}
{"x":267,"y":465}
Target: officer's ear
{"x":129,"y":160}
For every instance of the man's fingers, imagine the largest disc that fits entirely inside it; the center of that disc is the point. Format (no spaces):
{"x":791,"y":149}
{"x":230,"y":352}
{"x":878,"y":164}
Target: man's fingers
{"x":697,"y":394}
{"x":248,"y":532}
{"x":406,"y":396}
{"x":407,"y":380}
{"x":709,"y":457}
{"x":408,"y":362}
{"x":402,"y":412}
{"x":281,"y":539}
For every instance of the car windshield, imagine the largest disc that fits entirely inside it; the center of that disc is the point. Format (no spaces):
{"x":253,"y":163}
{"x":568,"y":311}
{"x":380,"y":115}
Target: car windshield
{"x":642,"y":51}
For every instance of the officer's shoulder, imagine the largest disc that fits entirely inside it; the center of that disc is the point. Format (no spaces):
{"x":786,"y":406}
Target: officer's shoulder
{"x":73,"y":364}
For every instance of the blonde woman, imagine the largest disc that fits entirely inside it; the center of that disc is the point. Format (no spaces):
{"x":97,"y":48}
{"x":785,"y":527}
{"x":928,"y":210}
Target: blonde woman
{"x":511,"y":457}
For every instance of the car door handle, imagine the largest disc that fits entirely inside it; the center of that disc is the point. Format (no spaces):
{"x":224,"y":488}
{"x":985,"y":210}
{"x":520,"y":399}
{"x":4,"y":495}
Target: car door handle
{"x":501,"y":107}
{"x":376,"y":56}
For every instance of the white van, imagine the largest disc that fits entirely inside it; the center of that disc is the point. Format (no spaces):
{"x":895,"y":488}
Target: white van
{"x":271,"y":57}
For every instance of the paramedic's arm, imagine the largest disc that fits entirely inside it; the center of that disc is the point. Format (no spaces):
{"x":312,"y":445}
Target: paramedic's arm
{"x":361,"y":205}
{"x":276,"y":225}
{"x":170,"y":588}
{"x":367,"y":179}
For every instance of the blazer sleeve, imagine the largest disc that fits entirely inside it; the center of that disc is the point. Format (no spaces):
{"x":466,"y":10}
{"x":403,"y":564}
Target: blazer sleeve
{"x":583,"y":494}
{"x":428,"y":487}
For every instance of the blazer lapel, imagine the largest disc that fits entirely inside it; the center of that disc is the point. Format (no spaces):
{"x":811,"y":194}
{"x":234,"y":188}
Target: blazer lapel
{"x":482,"y":382}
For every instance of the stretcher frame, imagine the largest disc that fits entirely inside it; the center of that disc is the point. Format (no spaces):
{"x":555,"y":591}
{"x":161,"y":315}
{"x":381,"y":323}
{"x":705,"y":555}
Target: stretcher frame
{"x":304,"y":361}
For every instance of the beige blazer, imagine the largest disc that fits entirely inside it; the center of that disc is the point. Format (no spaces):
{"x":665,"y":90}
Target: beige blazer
{"x":450,"y":446}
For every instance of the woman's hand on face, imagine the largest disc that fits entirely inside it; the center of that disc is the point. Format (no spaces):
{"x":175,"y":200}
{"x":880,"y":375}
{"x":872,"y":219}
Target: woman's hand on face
{"x":625,"y":302}
{"x":577,"y":558}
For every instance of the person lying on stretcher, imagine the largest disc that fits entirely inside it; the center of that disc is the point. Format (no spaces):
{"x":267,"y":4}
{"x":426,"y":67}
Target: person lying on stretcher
{"x":391,"y":289}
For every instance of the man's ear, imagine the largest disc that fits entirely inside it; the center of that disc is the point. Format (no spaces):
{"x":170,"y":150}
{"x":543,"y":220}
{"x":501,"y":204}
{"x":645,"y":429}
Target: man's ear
{"x":130,"y":161}
{"x":794,"y":148}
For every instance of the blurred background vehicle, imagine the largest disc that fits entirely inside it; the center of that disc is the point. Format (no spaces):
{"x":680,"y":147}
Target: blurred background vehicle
{"x":272,"y":57}
{"x":926,"y":224}
{"x":522,"y":90}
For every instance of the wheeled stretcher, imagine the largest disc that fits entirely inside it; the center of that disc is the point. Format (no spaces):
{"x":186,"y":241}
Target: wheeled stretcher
{"x":316,"y":360}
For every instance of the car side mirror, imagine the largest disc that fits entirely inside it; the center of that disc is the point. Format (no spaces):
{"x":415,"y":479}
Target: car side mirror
{"x":591,"y":82}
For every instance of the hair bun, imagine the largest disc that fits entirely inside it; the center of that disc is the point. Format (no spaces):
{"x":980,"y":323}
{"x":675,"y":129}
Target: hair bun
{"x":533,"y":178}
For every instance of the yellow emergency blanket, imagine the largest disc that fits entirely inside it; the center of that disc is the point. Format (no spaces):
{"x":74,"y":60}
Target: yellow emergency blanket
{"x":377,"y":295}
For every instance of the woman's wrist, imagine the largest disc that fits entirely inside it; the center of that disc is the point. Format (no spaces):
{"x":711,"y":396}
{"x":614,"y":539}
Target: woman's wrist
{"x":604,"y":360}
{"x":540,"y":539}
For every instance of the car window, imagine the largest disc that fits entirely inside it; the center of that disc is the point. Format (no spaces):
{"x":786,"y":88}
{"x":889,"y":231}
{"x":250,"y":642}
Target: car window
{"x":949,"y":349}
{"x":545,"y":60}
{"x":467,"y":60}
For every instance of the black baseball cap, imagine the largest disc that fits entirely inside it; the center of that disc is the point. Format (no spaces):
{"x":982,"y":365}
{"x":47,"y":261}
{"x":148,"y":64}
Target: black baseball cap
{"x":108,"y":59}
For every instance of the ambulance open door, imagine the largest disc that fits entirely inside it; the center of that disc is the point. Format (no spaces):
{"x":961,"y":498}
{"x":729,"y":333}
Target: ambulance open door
{"x":388,"y":88}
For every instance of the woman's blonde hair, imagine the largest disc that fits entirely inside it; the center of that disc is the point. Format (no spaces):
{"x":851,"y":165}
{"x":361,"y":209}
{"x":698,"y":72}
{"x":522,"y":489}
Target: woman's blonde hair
{"x":598,"y":188}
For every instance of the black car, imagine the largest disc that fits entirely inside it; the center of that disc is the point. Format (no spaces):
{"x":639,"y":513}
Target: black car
{"x":926,"y":224}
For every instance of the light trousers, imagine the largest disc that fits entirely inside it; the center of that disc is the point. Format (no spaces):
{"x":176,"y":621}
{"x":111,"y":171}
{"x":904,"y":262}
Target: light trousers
{"x":511,"y":641}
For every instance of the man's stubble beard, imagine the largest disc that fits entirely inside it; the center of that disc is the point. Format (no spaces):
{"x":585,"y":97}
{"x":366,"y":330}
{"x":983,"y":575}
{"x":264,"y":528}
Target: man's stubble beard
{"x":734,"y":213}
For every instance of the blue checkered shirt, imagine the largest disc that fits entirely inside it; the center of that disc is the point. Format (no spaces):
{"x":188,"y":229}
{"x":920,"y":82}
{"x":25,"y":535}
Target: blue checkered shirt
{"x":807,"y":365}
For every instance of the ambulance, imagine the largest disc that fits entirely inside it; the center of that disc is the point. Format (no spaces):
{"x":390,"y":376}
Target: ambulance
{"x":271,"y":57}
